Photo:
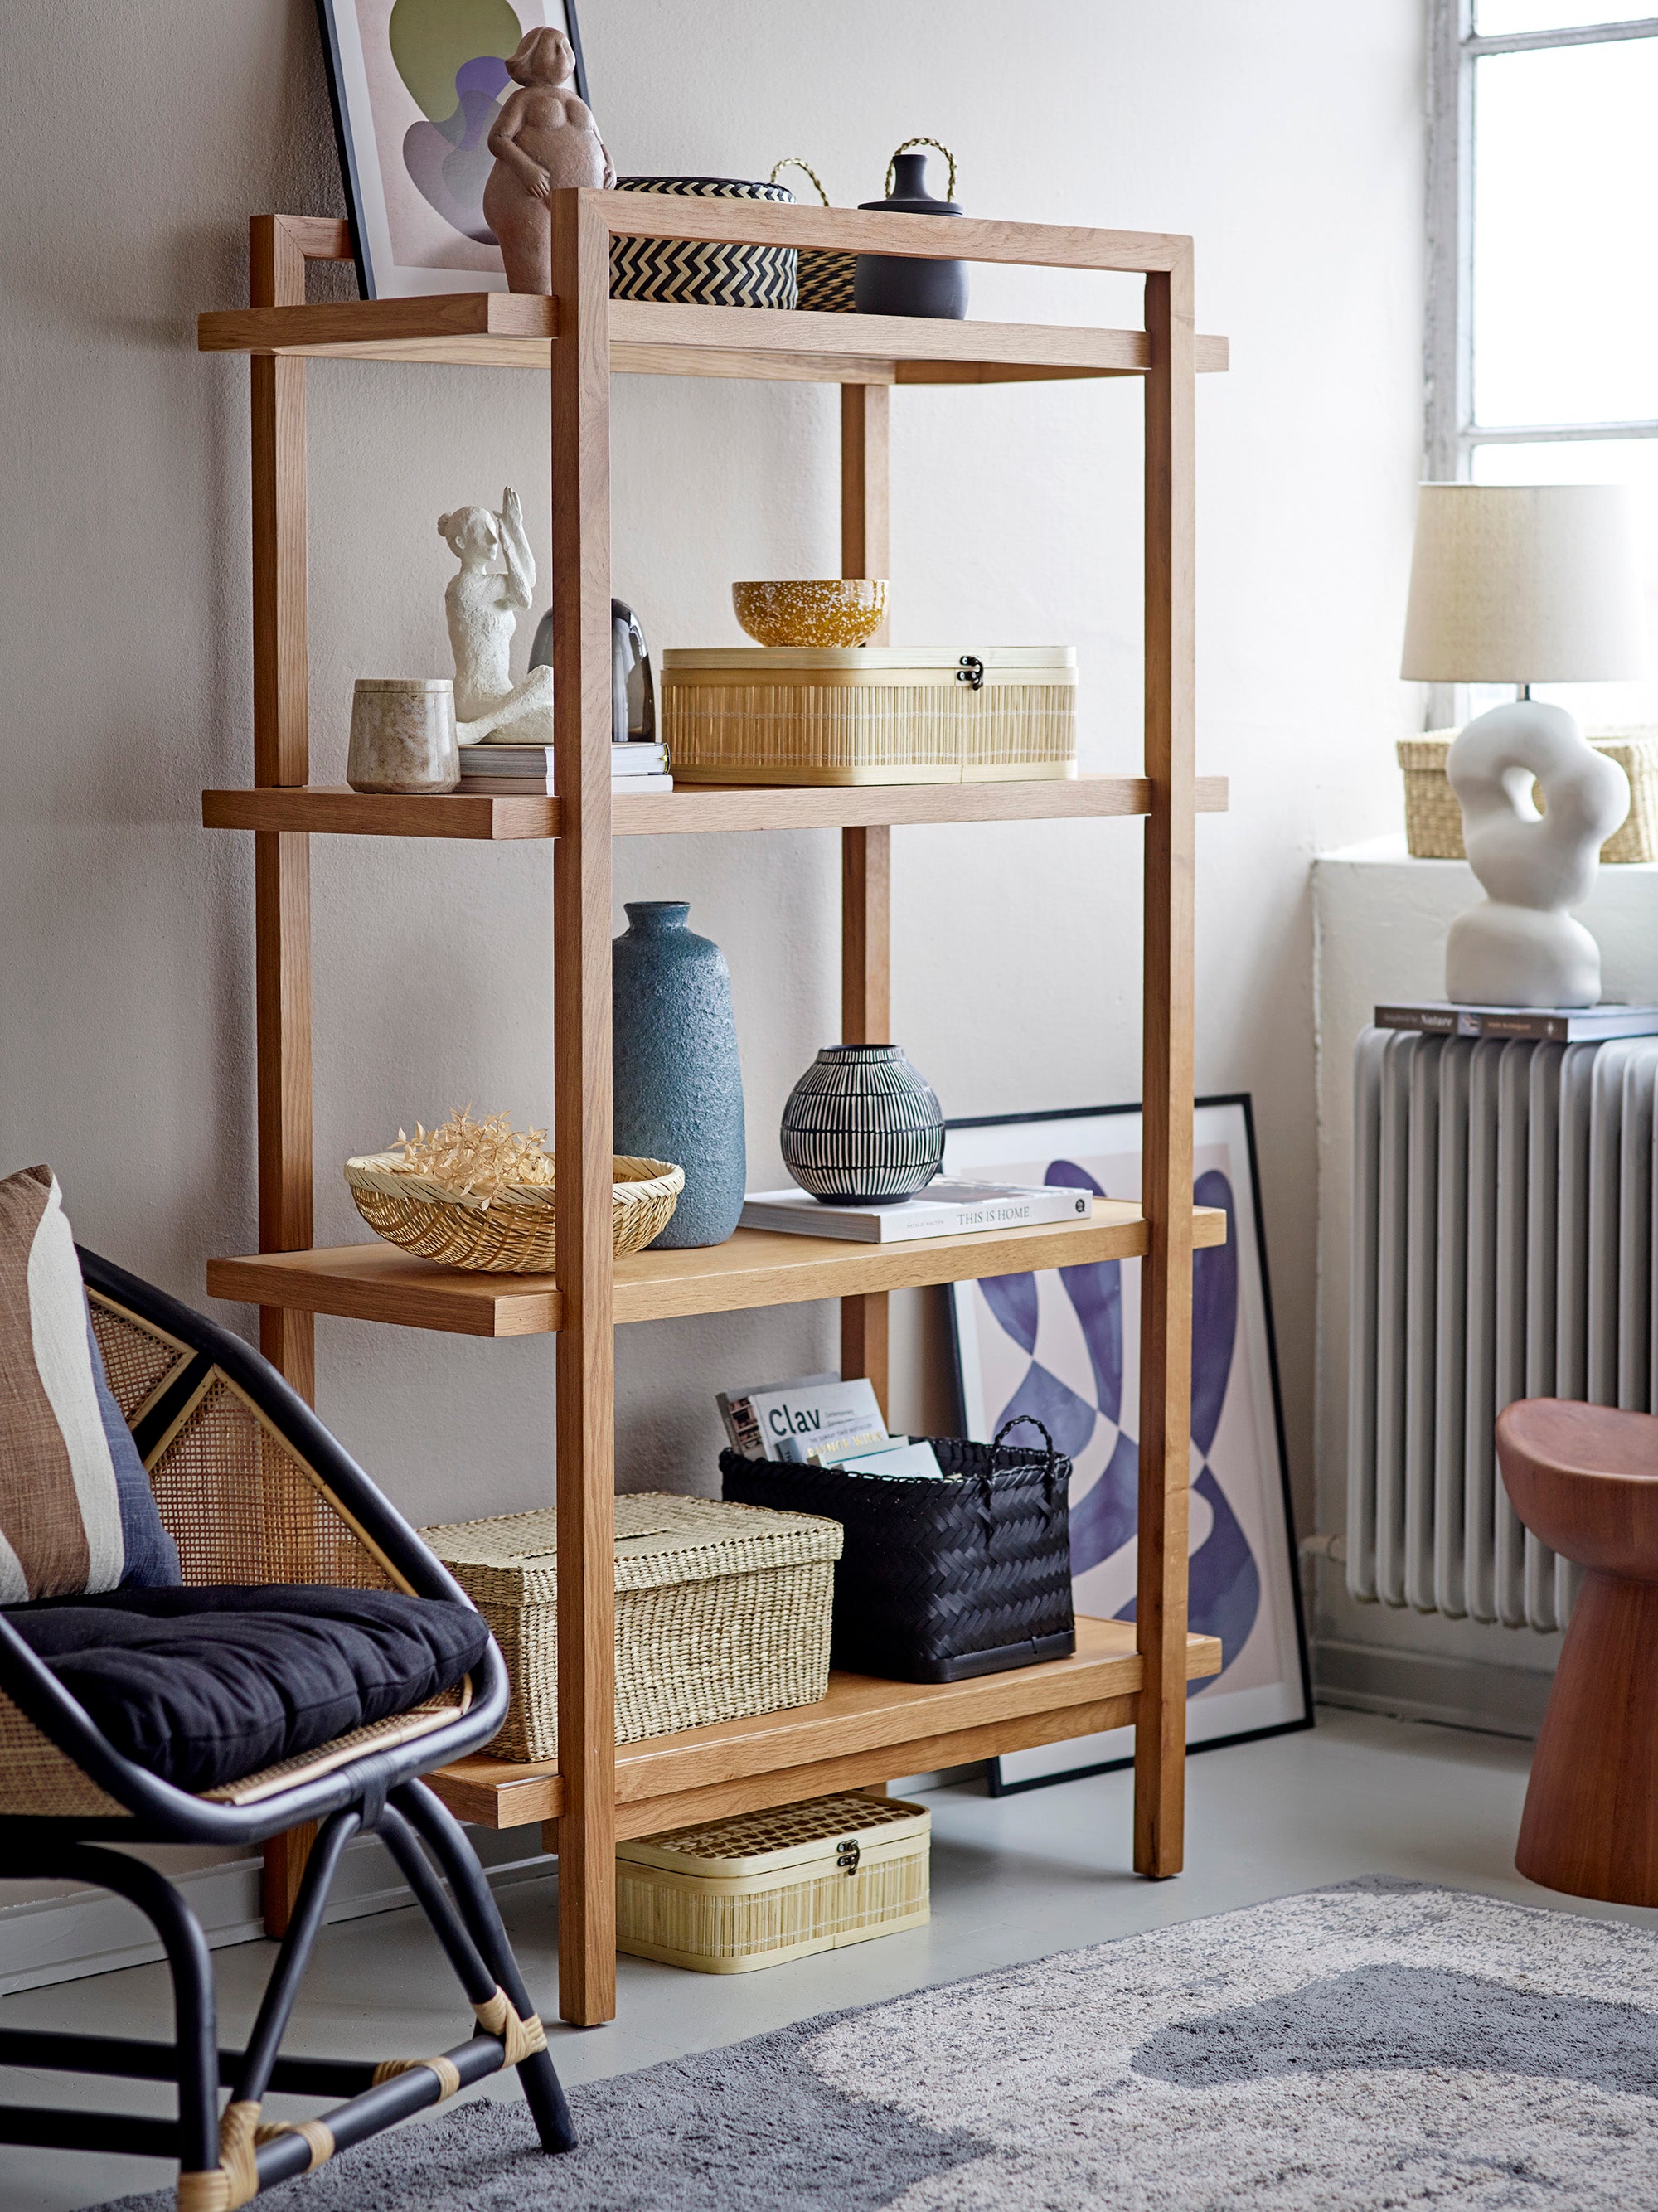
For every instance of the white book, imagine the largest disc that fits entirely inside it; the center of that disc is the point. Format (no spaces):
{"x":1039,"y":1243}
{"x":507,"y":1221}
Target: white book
{"x":943,"y":1209}
{"x":631,"y":759}
{"x":761,"y":1418}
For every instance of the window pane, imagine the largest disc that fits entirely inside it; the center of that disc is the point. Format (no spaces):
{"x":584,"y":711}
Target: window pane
{"x":1493,"y":18}
{"x":1631,"y":461}
{"x":1565,"y":240}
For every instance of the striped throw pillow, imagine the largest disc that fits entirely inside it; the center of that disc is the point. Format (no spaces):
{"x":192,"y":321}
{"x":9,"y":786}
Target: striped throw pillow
{"x":77,"y":1511}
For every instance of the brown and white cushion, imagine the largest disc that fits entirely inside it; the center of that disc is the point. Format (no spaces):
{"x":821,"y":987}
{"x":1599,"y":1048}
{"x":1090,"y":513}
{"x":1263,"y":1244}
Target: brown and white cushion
{"x":60,"y":1505}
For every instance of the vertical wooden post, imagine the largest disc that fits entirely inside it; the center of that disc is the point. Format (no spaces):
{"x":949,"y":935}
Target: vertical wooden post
{"x":865,"y":855}
{"x":282,"y":866}
{"x":1167,"y":1076}
{"x":282,"y":756}
{"x":582,"y":1108}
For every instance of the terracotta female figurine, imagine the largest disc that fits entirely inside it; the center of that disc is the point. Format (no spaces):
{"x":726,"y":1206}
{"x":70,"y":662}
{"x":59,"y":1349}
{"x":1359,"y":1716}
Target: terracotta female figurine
{"x":546,"y":137}
{"x":483,"y":607}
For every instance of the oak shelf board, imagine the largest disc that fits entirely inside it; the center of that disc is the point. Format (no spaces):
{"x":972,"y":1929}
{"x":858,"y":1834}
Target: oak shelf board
{"x":863,"y":1727}
{"x":755,"y":1267}
{"x":335,"y":810}
{"x":322,"y":809}
{"x":506,"y":330}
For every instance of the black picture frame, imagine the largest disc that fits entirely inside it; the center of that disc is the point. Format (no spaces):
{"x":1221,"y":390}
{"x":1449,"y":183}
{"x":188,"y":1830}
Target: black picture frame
{"x":1000,"y":1786}
{"x":354,"y":132}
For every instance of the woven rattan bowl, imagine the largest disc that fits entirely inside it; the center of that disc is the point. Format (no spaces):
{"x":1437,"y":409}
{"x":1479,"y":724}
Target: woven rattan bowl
{"x":513,"y":1235}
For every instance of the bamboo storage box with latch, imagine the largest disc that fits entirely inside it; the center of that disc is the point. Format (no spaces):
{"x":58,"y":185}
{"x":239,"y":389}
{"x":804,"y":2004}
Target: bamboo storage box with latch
{"x":720,"y":1611}
{"x":862,"y":715}
{"x":763,"y":1887}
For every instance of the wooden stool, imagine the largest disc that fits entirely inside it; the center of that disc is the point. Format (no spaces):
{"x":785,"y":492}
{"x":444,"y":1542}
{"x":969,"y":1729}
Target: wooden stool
{"x":1584,"y":1478}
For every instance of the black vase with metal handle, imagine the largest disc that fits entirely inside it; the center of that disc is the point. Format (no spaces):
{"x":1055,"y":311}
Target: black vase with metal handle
{"x":633,"y":691}
{"x":885,"y":284}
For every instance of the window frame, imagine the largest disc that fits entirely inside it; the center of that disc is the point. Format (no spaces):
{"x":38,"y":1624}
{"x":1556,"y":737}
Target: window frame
{"x":1451,"y":435}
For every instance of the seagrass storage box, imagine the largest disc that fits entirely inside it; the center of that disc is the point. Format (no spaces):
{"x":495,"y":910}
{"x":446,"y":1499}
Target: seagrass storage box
{"x":850,"y":714}
{"x":1433,"y":816}
{"x":767,"y":1887}
{"x":721,"y":1610}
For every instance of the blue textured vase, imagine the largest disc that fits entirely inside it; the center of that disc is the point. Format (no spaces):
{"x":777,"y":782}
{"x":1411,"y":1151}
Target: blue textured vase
{"x":862,"y":1127}
{"x":678,"y":1082}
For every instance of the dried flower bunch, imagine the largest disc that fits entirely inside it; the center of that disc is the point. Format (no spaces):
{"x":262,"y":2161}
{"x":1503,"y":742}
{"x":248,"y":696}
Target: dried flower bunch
{"x":477,"y":1158}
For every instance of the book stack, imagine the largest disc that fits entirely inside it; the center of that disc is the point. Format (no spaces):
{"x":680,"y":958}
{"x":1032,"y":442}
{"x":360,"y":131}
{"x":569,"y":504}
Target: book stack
{"x":524,"y":771}
{"x":944,"y":1208}
{"x":818,"y":1420}
{"x":1538,"y":1024}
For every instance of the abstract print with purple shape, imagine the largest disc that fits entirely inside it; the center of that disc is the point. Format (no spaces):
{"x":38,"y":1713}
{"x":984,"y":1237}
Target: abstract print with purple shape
{"x":451,"y":55}
{"x":1225,"y":1578}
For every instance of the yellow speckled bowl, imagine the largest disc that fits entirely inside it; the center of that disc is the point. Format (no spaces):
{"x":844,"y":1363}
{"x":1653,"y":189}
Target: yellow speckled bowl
{"x":832,"y":610}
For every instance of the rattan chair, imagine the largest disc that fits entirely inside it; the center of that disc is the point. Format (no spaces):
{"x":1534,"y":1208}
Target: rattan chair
{"x":254,"y":1490}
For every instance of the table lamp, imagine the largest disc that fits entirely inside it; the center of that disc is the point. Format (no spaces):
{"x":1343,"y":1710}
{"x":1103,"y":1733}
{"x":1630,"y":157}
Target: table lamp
{"x":1527,"y":584}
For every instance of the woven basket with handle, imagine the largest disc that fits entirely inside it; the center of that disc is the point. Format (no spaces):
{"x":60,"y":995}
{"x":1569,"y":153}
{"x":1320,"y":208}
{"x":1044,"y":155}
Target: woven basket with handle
{"x":825,"y":280}
{"x":939,"y":1580}
{"x":513,"y":1234}
{"x":1433,"y":816}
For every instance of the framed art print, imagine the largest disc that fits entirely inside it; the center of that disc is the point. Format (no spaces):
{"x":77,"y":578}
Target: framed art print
{"x":416,"y":86}
{"x":1064,"y":1345}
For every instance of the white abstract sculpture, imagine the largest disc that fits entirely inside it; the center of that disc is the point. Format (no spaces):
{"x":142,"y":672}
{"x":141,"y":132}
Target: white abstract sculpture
{"x":1527,"y":584}
{"x":484,"y":606}
{"x":1521,"y":947}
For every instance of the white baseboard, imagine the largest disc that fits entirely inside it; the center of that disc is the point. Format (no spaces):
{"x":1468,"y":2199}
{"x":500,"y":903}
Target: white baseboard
{"x":1373,"y":1678}
{"x":73,"y":1932}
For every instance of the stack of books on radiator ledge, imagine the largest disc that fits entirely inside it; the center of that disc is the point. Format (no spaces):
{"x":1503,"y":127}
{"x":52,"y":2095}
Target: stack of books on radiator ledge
{"x":526,"y":771}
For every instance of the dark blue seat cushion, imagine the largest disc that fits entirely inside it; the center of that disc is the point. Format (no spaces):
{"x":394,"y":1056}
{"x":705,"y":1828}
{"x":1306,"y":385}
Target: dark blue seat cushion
{"x":204,"y":1685}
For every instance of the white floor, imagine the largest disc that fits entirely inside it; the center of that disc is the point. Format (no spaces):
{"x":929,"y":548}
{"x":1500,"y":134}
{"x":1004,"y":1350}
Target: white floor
{"x":1012,"y":1879}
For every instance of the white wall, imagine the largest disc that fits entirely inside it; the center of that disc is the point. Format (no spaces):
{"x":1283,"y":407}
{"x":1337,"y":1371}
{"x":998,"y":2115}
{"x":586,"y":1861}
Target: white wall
{"x":1285,"y":134}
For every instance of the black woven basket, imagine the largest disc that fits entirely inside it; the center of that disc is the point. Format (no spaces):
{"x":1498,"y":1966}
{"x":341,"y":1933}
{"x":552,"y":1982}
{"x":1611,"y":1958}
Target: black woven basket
{"x":938,"y":1580}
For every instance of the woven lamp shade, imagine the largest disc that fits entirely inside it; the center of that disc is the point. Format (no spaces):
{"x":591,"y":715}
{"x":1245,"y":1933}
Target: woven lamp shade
{"x":1524,"y":584}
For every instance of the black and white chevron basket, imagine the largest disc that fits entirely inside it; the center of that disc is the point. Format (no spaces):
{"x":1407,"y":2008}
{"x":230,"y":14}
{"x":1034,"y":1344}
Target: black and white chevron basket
{"x":862,"y":1126}
{"x":696,"y":272}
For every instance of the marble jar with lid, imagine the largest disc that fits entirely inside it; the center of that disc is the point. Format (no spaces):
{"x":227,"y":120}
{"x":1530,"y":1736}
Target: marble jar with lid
{"x":403,"y":734}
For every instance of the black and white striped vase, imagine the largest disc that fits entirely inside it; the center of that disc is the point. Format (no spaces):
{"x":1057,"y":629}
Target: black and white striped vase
{"x":861,"y":1127}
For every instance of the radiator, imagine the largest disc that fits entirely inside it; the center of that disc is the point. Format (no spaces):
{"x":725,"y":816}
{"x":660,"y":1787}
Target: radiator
{"x":1503,"y":1245}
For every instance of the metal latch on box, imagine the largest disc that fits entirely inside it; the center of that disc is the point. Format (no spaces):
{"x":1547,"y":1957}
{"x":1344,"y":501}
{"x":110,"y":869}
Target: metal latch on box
{"x":847,"y":1854}
{"x":969,"y":669}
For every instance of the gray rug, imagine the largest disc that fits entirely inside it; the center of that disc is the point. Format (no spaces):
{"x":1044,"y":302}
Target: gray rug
{"x":1372,"y":2046}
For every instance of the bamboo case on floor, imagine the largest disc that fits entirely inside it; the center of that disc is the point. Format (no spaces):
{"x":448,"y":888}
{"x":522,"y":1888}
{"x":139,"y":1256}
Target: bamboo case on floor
{"x":720,"y":1611}
{"x":857,"y":714}
{"x":763,"y":1887}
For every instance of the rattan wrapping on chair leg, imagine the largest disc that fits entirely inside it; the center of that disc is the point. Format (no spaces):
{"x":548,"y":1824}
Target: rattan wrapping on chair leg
{"x":315,"y":2133}
{"x":235,"y":2179}
{"x":447,"y":2072}
{"x":520,"y":2039}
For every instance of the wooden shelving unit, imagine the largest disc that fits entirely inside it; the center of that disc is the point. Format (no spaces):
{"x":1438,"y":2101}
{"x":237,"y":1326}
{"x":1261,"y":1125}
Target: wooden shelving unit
{"x":864,"y":1731}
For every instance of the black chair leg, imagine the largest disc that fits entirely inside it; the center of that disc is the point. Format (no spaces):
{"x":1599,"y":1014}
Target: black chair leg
{"x":543,"y":2091}
{"x":196,"y":2033}
{"x":276,"y":2006}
